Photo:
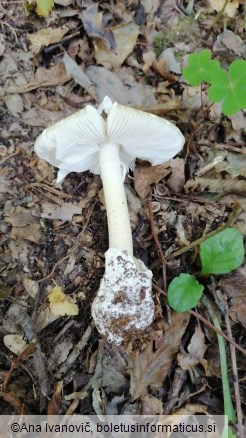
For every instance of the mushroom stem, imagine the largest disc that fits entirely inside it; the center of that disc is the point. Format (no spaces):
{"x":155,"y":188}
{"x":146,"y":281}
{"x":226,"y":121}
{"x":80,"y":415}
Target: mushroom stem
{"x":112,"y":175}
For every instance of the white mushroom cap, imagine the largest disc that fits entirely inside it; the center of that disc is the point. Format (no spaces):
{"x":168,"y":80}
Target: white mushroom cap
{"x":72,"y":144}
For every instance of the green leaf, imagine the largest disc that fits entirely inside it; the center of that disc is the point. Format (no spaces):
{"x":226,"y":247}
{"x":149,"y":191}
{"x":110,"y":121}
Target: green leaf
{"x":184,"y":292}
{"x":222,"y":253}
{"x":200,"y":67}
{"x":44,"y":7}
{"x":230,"y":87}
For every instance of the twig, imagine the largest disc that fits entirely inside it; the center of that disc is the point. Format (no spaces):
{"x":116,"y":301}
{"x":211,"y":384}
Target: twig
{"x":192,"y":245}
{"x":9,"y":156}
{"x":190,"y":198}
{"x":208,"y":324}
{"x":158,"y":245}
{"x":38,"y":186}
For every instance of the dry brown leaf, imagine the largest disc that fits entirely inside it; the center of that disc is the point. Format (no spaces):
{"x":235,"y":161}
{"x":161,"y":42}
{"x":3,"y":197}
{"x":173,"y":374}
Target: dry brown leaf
{"x":20,"y":217}
{"x":45,"y":37}
{"x":78,"y":75}
{"x":146,"y":175}
{"x":110,"y":84}
{"x":14,"y":104}
{"x":151,"y":405}
{"x":176,"y":180}
{"x":151,"y":366}
{"x":56,"y":400}
{"x":229,"y":40}
{"x":234,"y":164}
{"x":231,"y":7}
{"x":196,"y":350}
{"x":234,"y":285}
{"x":93,"y":24}
{"x":41,"y":117}
{"x":15,"y":343}
{"x":64,"y":212}
{"x":216,"y":185}
{"x":30,"y":232}
{"x":125,"y":35}
{"x":43,"y":77}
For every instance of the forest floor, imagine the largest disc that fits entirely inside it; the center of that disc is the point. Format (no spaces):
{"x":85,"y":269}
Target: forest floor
{"x":53,"y":238}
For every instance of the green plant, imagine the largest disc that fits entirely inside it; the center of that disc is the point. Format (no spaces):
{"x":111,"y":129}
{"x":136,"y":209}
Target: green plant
{"x":220,"y":254}
{"x":228,"y":87}
{"x":160,"y":43}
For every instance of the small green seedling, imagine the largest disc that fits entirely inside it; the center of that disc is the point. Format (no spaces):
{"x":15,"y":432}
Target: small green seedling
{"x":220,"y":254}
{"x":230,"y":87}
{"x":201,"y":68}
{"x":226,"y":87}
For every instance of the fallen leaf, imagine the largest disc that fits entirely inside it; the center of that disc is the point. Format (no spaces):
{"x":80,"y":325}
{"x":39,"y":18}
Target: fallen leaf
{"x":152,"y":365}
{"x":45,"y":37}
{"x":234,"y":164}
{"x":110,"y":84}
{"x":43,"y":77}
{"x":14,"y":104}
{"x":20,"y":217}
{"x":196,"y":350}
{"x":64,"y":212}
{"x":54,"y":404}
{"x":77,"y":74}
{"x":231,"y":7}
{"x":216,"y":185}
{"x":61,"y":304}
{"x":151,"y":405}
{"x":41,"y":117}
{"x":146,"y":175}
{"x":15,"y":343}
{"x":168,"y":56}
{"x":125,"y":35}
{"x":234,"y":285}
{"x":176,"y":181}
{"x":30,"y":232}
{"x":93,"y":24}
{"x":229,"y":40}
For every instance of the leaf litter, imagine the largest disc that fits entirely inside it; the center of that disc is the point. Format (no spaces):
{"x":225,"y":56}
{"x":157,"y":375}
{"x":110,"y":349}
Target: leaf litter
{"x":133,"y":52}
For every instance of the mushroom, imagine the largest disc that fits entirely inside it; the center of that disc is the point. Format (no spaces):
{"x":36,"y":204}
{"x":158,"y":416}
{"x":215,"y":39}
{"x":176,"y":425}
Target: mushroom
{"x":109,"y":146}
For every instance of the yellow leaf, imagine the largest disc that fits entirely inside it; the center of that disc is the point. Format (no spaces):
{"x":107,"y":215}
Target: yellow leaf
{"x":61,"y":304}
{"x":44,"y":7}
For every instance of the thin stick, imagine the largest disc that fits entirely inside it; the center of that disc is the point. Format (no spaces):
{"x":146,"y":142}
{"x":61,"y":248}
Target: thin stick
{"x":208,"y":324}
{"x":158,"y":245}
{"x":192,"y":245}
